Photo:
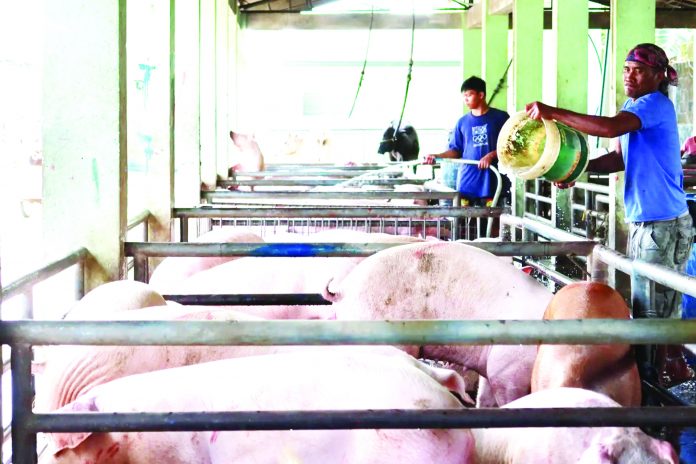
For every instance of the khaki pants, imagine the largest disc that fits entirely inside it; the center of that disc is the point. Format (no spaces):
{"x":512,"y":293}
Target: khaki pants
{"x":667,"y":243}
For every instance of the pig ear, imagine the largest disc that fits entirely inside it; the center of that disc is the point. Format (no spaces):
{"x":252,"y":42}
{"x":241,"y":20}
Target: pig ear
{"x":62,"y":441}
{"x":452,"y":381}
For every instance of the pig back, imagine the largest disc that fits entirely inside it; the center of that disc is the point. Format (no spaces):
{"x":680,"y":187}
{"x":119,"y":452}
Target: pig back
{"x":438,"y":280}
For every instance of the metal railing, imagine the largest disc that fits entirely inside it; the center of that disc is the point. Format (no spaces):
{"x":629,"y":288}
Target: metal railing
{"x":21,"y":336}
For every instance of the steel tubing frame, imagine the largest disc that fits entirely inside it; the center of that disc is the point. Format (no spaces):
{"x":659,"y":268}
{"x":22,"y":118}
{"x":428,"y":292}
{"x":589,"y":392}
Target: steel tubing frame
{"x":314,"y":332}
{"x":274,"y":196}
{"x":142,"y":250}
{"x":365,"y":419}
{"x":313,"y":182}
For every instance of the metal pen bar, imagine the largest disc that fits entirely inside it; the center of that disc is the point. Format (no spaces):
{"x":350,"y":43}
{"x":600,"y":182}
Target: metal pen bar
{"x":551,"y":273}
{"x":313,"y":182}
{"x":315,"y":332}
{"x":366,"y":419}
{"x":26,"y":282}
{"x":23,"y":438}
{"x":138,"y":219}
{"x":249,"y":299}
{"x":273,"y":196}
{"x":536,"y":227}
{"x":343,"y":212}
{"x":150,"y":249}
{"x":321,"y":172}
{"x":660,"y":274}
{"x":592,"y":187}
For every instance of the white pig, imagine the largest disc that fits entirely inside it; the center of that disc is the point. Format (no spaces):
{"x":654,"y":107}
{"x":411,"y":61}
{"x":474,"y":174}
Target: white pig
{"x":312,"y":380}
{"x":446,"y":280}
{"x":561,"y":445}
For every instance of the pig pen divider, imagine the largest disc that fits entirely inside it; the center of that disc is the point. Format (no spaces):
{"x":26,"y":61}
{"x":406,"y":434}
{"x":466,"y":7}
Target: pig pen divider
{"x":22,"y":335}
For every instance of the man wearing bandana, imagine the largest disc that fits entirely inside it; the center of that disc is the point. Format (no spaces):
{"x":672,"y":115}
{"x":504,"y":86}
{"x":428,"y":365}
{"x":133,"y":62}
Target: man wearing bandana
{"x":648,"y":149}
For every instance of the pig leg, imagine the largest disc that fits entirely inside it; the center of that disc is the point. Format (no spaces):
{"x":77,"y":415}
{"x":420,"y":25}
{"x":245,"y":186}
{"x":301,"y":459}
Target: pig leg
{"x":509,"y":371}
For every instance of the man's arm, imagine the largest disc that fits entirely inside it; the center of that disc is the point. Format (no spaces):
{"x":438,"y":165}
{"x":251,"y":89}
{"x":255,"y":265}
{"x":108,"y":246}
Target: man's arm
{"x":430,"y":159}
{"x":599,"y":126}
{"x":487,"y":159}
{"x":605,"y":164}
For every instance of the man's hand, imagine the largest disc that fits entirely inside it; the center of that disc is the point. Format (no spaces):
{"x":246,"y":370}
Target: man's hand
{"x":563,"y":186}
{"x":538,"y":110}
{"x":486,"y":160}
{"x":429,"y":159}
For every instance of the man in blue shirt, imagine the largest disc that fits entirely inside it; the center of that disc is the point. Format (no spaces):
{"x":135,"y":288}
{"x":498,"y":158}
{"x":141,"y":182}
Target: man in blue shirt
{"x":474,"y":138}
{"x":660,"y":229}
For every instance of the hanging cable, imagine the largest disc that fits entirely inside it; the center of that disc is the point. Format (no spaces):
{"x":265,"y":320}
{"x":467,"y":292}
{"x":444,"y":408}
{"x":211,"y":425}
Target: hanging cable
{"x":410,"y":70}
{"x":500,"y":83}
{"x":367,"y":51}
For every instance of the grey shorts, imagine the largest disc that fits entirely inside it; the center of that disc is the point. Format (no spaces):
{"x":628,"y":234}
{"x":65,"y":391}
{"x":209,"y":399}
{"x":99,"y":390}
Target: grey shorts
{"x":667,"y":243}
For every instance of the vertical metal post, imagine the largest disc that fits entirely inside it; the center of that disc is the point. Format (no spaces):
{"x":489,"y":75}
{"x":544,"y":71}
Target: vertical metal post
{"x":140,"y":271}
{"x":597,"y":269}
{"x":183,"y":229}
{"x":643,"y":306}
{"x":23,"y":440}
{"x":456,"y":203}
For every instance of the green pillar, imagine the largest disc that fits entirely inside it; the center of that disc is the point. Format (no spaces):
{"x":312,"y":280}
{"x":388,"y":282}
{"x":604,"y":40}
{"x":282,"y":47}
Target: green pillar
{"x":471,"y":62}
{"x":494,"y":34}
{"x":632,"y":22}
{"x":207,"y":90}
{"x":84,"y":133}
{"x":527,"y":47}
{"x":570,"y":27}
{"x":187,"y":180}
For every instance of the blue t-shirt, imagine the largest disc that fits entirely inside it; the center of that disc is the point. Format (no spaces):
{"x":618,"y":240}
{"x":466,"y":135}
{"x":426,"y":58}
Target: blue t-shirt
{"x":474,"y":137}
{"x":654,"y":184}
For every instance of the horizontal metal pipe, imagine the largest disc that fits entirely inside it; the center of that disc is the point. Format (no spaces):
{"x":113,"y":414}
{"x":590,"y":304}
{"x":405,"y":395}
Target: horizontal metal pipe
{"x":551,"y":273}
{"x":362,"y":419}
{"x":313,"y":182}
{"x":535,"y":197}
{"x":533,"y":225}
{"x":343,"y":212}
{"x":295,"y":167}
{"x":592,"y":187}
{"x":273,"y":196}
{"x":305,"y":172}
{"x":26,"y":282}
{"x":662,"y":275}
{"x":138,"y":219}
{"x":249,"y":299}
{"x":581,"y":247}
{"x":314,"y":332}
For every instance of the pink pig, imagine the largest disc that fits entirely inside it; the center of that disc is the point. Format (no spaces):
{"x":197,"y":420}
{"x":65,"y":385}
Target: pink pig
{"x":331,"y":379}
{"x":173,"y":270}
{"x":446,"y":280}
{"x":586,"y":445}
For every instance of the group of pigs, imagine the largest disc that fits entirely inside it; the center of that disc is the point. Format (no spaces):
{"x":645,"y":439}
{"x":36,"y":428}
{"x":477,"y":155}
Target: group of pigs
{"x":418,"y":280}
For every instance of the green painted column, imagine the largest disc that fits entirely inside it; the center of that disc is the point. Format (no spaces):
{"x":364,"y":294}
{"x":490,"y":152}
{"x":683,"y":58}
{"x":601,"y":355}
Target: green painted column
{"x":632,"y":22}
{"x":222,"y":126}
{"x":527,"y":47}
{"x":570,"y":27}
{"x":494,"y":35}
{"x":84,"y":133}
{"x":472,"y":60}
{"x":187,"y":177}
{"x":207,"y":89}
